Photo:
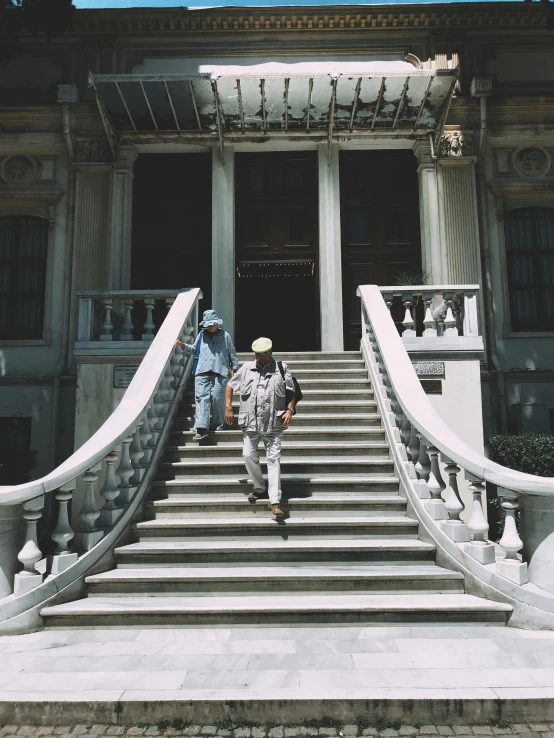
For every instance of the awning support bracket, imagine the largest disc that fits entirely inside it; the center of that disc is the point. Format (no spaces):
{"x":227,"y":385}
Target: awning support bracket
{"x":423,"y":102}
{"x":110,"y":134}
{"x":125,"y":105}
{"x":219,"y":121}
{"x":401,"y":101}
{"x":378,"y":103}
{"x":355,"y":103}
{"x":241,"y":107}
{"x":334,"y":80}
{"x":168,"y":93}
{"x":194,"y":105}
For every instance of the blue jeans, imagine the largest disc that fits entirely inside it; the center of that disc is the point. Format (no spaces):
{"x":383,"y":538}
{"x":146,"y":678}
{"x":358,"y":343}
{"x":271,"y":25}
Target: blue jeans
{"x":209,"y":391}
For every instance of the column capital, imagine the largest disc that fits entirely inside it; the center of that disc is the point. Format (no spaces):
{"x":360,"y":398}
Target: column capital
{"x":126,"y":157}
{"x":422,"y":151}
{"x":456,"y":145}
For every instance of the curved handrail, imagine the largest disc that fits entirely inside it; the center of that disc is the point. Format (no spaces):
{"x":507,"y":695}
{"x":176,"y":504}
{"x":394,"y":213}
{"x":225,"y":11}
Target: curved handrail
{"x":123,"y":421}
{"x":420,"y":412}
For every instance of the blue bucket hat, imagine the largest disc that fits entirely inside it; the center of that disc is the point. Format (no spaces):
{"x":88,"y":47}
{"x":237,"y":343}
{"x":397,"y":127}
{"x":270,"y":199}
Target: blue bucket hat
{"x":210,"y":317}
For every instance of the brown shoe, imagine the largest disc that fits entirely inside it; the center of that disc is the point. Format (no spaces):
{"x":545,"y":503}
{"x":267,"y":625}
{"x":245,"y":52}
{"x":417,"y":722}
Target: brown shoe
{"x":276,"y":510}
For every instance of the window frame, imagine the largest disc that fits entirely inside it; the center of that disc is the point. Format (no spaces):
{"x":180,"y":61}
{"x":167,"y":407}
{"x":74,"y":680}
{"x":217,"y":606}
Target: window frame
{"x":512,"y":329}
{"x":45,"y":339}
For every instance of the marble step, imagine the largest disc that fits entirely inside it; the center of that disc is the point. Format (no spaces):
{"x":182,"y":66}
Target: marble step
{"x":310,"y":356}
{"x":221,"y":506}
{"x":300,"y":362}
{"x":293,"y":434}
{"x":185,"y":420}
{"x":312,"y":391}
{"x":262,"y":526}
{"x":277,"y":580}
{"x":297,"y":608}
{"x":272,"y":550}
{"x":318,"y":465}
{"x":290,"y":450}
{"x":292,"y":485}
{"x":308,"y":406}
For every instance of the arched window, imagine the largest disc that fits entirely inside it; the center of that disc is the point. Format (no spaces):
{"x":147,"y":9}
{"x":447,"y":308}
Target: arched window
{"x":23,"y":247}
{"x":529,"y":236}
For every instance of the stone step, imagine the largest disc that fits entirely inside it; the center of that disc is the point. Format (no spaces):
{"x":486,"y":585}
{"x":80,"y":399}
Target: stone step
{"x":313,"y":391}
{"x":185,"y":420}
{"x":310,"y":356}
{"x":332,"y":374}
{"x":308,"y":406}
{"x":300,"y":362}
{"x":221,"y":506}
{"x":277,"y":580}
{"x":292,"y":485}
{"x":294,"y":434}
{"x":299,"y":608}
{"x":319,"y":465}
{"x":267,"y":551}
{"x":291,"y":450}
{"x":261,"y":526}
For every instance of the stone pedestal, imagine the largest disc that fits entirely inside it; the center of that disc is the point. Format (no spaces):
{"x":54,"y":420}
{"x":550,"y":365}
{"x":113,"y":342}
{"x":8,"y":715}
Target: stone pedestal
{"x":330,"y":258}
{"x":223,"y":237}
{"x":12,"y":534}
{"x":433,"y":254}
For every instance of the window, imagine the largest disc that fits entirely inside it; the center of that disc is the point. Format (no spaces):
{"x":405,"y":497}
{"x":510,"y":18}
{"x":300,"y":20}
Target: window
{"x":529,"y":236}
{"x":16,"y":457}
{"x":23,"y":247}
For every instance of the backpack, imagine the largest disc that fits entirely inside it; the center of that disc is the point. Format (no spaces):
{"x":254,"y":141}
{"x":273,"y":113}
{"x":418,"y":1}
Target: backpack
{"x":297,"y":391}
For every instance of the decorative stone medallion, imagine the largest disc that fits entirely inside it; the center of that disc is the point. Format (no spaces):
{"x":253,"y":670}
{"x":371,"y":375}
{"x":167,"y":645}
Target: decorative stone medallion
{"x":429,"y":368}
{"x":532,"y":162}
{"x":456,"y":144}
{"x":18,"y":170}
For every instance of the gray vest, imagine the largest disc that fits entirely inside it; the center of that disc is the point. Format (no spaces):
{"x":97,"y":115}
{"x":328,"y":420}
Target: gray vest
{"x":274,"y":399}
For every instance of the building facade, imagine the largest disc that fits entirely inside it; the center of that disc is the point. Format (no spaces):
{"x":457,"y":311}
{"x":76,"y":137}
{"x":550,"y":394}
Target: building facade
{"x":278,"y":158}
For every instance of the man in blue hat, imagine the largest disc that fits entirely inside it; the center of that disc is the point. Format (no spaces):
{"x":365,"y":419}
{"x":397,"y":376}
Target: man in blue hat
{"x":215,"y":356}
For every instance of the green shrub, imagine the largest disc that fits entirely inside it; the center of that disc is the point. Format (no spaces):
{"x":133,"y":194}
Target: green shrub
{"x":532,"y":453}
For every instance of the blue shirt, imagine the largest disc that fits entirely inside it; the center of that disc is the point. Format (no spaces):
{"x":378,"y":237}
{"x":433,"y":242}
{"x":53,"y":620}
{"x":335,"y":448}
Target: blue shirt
{"x":217,"y":353}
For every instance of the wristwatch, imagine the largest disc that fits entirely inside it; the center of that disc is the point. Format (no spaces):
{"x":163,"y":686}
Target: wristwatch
{"x":292,"y":410}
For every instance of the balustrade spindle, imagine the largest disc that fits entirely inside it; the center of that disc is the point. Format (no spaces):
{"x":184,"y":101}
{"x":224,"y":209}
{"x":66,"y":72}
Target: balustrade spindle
{"x":107,"y":326}
{"x":63,"y":532}
{"x":470,"y":321}
{"x":149,"y":326}
{"x":153,"y":425}
{"x":479,"y":548}
{"x":408,"y":321}
{"x":454,"y":527}
{"x":511,"y":567}
{"x":127,"y":327}
{"x":176,"y":370}
{"x":110,"y":512}
{"x":423,"y":463}
{"x":125,"y":471}
{"x":136,"y":452}
{"x":457,"y":309}
{"x":89,"y":535}
{"x":30,"y":554}
{"x":413,"y":445}
{"x":145,"y":436}
{"x":449,"y":319}
{"x":430,"y":330}
{"x":435,"y":485}
{"x":405,"y":430}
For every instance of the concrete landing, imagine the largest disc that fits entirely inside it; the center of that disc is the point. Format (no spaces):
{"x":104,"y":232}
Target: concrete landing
{"x":459,"y":674}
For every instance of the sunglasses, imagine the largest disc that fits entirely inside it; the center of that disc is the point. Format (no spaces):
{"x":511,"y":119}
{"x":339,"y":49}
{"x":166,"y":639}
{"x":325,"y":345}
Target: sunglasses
{"x":262,"y":353}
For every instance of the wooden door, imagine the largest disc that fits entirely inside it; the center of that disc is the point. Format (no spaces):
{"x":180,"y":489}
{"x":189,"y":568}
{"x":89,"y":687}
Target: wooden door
{"x":379,"y":225}
{"x":276,"y":250}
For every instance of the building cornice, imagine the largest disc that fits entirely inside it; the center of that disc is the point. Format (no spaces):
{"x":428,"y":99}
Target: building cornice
{"x":340,"y":18}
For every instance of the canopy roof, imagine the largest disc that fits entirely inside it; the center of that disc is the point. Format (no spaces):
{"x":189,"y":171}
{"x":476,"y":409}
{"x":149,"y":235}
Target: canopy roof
{"x":404,"y":102}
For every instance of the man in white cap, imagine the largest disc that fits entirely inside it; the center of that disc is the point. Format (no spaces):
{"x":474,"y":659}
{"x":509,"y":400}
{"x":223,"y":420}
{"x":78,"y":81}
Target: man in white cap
{"x":267,"y":401}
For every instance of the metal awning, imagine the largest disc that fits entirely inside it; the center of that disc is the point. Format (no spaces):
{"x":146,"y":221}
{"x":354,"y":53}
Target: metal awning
{"x":204,"y":105}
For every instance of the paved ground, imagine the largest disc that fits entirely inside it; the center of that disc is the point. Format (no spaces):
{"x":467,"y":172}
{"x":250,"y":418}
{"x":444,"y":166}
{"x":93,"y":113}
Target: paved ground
{"x":142,"y":666}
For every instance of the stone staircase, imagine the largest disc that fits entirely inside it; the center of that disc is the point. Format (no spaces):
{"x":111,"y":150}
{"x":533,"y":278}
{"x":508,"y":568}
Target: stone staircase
{"x":347,"y":552}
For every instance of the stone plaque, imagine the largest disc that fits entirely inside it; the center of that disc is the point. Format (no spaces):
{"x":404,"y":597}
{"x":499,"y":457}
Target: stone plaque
{"x":429,"y":369}
{"x":122,"y":376}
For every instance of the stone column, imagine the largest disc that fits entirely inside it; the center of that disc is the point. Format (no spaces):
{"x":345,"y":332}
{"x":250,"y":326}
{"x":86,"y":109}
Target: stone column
{"x":223,"y":237}
{"x":119,"y":257}
{"x":433,"y":255}
{"x":458,"y":204}
{"x":92,"y":216}
{"x":330,"y":257}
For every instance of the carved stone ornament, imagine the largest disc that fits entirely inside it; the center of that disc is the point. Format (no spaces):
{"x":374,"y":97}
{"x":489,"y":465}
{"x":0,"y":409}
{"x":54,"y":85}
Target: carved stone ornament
{"x":429,"y":369}
{"x":93,"y":150}
{"x":18,"y":170}
{"x":456,"y":144}
{"x":532,"y":162}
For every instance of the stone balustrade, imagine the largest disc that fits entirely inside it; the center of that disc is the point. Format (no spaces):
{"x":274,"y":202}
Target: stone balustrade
{"x":434,"y":311}
{"x":118,"y":315}
{"x":116,"y":464}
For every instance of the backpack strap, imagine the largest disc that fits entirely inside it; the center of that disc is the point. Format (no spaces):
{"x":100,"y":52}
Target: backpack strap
{"x":280,"y":365}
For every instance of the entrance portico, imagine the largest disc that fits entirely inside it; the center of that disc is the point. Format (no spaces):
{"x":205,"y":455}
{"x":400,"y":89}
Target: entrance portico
{"x":318,"y":116}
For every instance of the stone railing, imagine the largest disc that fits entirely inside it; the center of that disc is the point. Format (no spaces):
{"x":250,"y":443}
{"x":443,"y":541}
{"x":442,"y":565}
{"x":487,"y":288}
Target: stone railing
{"x":117,"y":315}
{"x":430,"y":456}
{"x":122,"y":454}
{"x":448,"y":312}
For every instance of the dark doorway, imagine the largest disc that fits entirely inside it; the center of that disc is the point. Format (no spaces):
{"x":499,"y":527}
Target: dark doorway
{"x":172,"y":223}
{"x":276,"y":250}
{"x":379,"y":224}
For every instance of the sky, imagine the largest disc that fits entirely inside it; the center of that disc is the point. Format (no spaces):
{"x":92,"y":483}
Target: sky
{"x":242,"y":3}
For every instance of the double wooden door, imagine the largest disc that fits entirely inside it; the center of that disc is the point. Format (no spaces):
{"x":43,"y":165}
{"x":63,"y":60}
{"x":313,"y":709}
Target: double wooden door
{"x":379,"y":225}
{"x":276,"y":250}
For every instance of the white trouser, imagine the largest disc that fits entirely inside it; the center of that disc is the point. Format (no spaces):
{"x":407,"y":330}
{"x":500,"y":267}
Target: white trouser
{"x":272,"y":443}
